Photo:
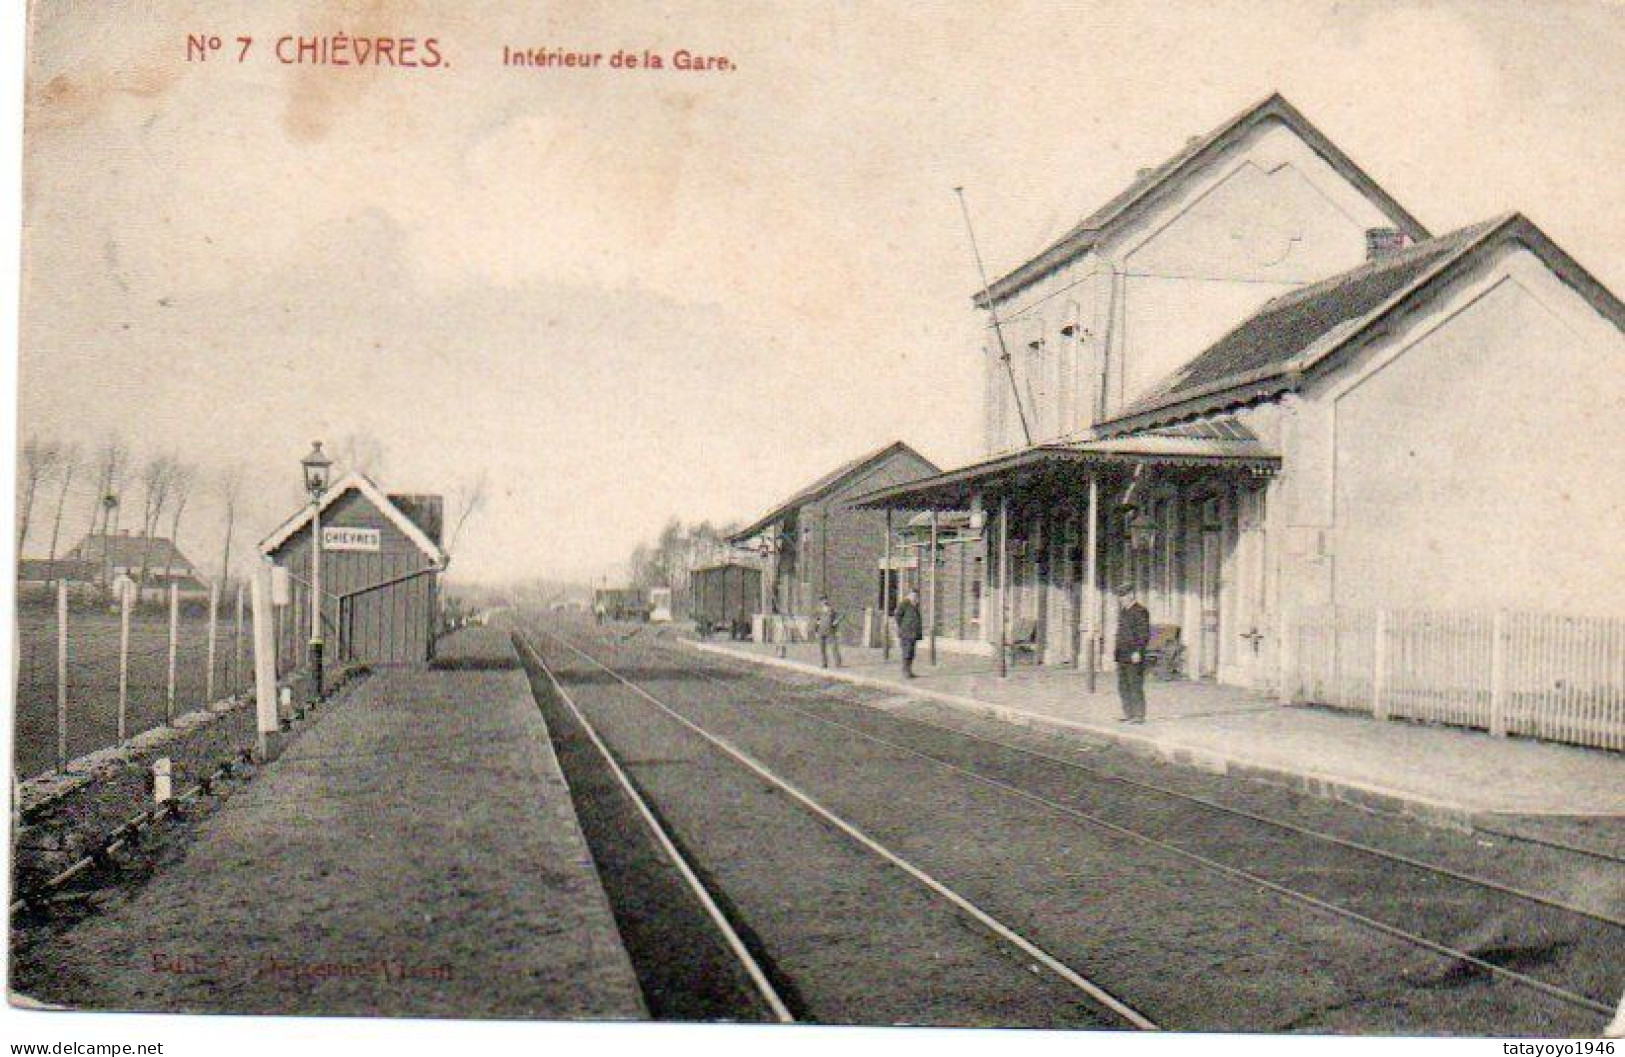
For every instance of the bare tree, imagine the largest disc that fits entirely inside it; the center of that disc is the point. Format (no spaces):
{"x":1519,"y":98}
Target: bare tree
{"x":181,"y":479}
{"x":155,"y":480}
{"x":361,"y":453}
{"x":69,"y":466}
{"x":468,"y":498}
{"x":231,"y":490}
{"x":40,"y":459}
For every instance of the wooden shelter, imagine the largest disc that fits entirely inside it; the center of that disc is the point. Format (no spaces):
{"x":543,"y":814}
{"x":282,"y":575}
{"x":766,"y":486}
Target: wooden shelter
{"x":381,"y":562}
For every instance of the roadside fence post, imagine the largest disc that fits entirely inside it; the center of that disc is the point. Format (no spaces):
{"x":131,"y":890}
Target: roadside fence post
{"x":61,"y":674}
{"x":266,"y":720}
{"x":125,"y":599}
{"x":214,"y":618}
{"x":1498,"y":675}
{"x":1379,"y":675}
{"x":174,"y":644}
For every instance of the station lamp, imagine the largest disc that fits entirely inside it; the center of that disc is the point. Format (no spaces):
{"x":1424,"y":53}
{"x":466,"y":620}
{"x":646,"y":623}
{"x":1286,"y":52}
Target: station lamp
{"x":318,"y":474}
{"x":318,"y":471}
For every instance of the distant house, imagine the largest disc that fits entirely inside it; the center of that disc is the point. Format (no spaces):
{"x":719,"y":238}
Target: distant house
{"x":37,"y":577}
{"x":153,"y":561}
{"x":816,"y":544}
{"x":47,"y":571}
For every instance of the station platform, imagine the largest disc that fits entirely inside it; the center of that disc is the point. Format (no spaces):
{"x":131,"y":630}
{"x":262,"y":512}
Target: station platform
{"x":413,"y":853}
{"x":1443,"y":774}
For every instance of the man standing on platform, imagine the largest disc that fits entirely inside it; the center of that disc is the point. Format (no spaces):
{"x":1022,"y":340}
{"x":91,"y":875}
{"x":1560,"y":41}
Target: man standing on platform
{"x":1133,"y":639}
{"x":827,"y":628}
{"x":910,"y":629}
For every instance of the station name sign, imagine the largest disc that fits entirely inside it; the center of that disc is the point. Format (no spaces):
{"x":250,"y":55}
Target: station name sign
{"x":350,"y":539}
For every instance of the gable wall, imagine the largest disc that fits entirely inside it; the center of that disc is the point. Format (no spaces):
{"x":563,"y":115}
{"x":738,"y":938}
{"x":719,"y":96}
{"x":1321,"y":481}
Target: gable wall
{"x":1470,"y":460}
{"x":842,"y":547}
{"x":1267,"y":217}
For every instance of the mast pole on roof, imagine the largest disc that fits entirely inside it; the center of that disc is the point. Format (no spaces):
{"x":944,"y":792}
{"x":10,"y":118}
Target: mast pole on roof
{"x":993,"y":312}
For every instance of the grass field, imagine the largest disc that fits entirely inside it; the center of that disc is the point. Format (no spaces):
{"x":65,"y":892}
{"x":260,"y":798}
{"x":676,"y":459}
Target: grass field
{"x":93,"y":677}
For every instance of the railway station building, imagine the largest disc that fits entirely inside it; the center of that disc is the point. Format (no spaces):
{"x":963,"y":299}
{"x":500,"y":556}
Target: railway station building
{"x":1257,"y":388}
{"x":816,"y":543}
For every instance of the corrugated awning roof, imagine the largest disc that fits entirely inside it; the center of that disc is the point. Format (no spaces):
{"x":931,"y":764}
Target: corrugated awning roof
{"x":1172,"y":447}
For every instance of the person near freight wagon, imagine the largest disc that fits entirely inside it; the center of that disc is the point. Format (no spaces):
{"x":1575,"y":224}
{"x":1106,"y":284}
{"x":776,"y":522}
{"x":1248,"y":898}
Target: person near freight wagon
{"x":1133,"y":639}
{"x":827,"y":628}
{"x":910,"y":629}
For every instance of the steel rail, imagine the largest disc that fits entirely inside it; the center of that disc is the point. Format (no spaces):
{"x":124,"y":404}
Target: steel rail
{"x":753,"y":969}
{"x":116,"y":839}
{"x":1236,"y":873}
{"x":988,"y":921}
{"x":1214,"y":805}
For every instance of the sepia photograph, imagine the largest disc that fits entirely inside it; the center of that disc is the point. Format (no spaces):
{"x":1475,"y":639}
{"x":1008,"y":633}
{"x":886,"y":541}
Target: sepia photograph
{"x":928,"y":518}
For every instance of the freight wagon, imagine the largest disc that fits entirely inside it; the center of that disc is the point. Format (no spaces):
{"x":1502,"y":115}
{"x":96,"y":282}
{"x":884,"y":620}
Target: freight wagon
{"x":725,"y":596}
{"x":621,"y":603}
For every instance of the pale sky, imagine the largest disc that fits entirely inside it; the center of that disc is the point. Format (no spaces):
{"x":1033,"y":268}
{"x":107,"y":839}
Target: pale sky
{"x":636,"y":294}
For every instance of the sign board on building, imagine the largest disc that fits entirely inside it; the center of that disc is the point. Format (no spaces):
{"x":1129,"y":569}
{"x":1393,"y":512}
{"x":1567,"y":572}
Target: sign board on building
{"x":281,"y":586}
{"x":350,"y":539}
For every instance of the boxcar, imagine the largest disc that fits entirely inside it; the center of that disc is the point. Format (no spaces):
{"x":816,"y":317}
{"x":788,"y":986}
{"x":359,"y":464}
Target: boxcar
{"x":724,"y":598}
{"x":621,"y":603}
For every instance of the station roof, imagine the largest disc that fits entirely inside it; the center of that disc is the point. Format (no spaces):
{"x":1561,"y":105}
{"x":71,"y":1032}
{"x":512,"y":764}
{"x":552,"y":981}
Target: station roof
{"x":1223,"y":444}
{"x":825,"y":485}
{"x":1309,"y":330}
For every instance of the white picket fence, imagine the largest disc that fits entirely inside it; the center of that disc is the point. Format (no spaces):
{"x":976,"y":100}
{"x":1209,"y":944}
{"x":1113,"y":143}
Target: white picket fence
{"x":1561,"y":678}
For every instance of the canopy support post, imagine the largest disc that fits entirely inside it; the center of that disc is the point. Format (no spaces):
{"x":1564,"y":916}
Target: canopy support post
{"x":1004,"y":586}
{"x":885,"y":595}
{"x":931,"y":585}
{"x":1092,"y":576}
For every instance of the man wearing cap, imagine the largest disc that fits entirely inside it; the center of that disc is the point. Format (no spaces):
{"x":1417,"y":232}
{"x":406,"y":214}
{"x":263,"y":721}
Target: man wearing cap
{"x":1133,"y":638}
{"x":827,"y":628}
{"x":910,"y":629}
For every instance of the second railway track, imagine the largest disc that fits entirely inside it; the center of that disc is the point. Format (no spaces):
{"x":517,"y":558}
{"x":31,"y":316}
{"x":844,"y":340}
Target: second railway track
{"x":1488,"y":958}
{"x":992,"y":975}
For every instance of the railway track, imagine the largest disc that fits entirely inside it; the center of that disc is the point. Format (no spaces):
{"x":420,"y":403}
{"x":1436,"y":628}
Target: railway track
{"x":1203,"y":802}
{"x":882,"y":728}
{"x":736,"y":945}
{"x":1036,"y":959}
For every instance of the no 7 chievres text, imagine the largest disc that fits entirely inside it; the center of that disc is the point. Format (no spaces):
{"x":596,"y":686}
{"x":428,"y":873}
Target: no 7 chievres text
{"x":337,"y":49}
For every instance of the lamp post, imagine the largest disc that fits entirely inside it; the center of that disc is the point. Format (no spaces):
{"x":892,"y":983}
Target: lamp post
{"x":318,"y":468}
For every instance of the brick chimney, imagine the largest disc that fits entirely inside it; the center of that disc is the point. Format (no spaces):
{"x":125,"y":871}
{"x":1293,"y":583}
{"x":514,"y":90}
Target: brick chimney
{"x":1383,"y":242}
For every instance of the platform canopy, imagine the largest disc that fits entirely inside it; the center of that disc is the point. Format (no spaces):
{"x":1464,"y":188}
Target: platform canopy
{"x":1226,"y":445}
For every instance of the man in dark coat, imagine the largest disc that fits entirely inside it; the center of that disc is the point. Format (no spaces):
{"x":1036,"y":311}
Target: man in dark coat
{"x":1133,"y":639}
{"x":827,"y":628}
{"x":910,"y":629}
